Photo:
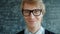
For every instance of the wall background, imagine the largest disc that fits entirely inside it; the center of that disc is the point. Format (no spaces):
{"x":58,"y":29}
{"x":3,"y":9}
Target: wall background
{"x":11,"y":20}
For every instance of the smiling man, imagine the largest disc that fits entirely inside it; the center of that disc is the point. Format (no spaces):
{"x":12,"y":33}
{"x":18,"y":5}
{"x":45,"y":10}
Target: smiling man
{"x":33,"y":12}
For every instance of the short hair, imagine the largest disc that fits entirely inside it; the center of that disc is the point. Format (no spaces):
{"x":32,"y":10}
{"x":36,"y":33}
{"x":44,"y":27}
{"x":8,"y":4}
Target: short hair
{"x":40,"y":2}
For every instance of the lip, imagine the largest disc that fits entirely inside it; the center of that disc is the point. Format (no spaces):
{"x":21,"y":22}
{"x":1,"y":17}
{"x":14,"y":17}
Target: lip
{"x":31,"y":21}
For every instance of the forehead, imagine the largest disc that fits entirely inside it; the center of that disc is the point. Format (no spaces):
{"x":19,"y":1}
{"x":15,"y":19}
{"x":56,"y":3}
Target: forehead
{"x":32,"y":6}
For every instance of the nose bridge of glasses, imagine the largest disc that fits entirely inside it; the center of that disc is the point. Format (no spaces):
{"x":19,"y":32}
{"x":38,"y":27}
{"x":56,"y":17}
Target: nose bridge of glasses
{"x":31,"y":11}
{"x":31,"y":14}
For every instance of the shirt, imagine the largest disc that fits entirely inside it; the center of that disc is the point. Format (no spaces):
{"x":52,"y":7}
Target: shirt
{"x":40,"y":31}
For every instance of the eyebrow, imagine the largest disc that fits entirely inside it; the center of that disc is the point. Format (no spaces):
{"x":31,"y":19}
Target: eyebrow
{"x":32,"y":9}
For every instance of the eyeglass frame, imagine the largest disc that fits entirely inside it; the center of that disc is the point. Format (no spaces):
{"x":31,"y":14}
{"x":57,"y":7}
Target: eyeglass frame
{"x":31,"y":11}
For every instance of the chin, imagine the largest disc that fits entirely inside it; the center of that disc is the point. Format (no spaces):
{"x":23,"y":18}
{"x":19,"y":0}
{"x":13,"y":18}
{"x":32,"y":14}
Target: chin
{"x":31,"y":25}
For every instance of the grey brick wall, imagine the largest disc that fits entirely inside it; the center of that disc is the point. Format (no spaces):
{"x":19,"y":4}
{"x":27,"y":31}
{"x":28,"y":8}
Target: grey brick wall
{"x":11,"y":20}
{"x":52,"y":17}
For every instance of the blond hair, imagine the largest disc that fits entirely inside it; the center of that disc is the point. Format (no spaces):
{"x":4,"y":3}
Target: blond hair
{"x":40,"y":2}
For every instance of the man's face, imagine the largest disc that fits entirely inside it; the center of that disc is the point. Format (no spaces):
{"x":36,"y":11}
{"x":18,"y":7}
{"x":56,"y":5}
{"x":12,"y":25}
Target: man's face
{"x":32,"y":20}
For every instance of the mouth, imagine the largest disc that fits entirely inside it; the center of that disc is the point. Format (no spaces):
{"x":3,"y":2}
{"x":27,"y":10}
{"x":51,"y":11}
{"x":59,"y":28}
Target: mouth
{"x":32,"y":21}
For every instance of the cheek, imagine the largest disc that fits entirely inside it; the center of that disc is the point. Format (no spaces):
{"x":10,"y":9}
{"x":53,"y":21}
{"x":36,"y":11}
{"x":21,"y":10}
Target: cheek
{"x":39,"y":18}
{"x":26,"y":19}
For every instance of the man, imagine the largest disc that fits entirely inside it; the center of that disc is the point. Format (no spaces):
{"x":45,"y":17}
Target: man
{"x":33,"y":12}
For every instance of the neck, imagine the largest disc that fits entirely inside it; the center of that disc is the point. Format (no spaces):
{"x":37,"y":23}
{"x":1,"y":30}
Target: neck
{"x":33,"y":29}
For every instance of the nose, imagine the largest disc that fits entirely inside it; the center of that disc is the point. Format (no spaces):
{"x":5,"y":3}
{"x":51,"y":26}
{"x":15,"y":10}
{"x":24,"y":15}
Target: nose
{"x":32,"y":16}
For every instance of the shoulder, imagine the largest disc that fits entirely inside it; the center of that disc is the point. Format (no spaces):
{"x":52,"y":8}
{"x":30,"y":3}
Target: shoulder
{"x":21,"y":32}
{"x":48,"y":32}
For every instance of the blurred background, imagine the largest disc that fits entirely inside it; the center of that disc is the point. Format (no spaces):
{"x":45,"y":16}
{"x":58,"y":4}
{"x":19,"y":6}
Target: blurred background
{"x":12,"y":21}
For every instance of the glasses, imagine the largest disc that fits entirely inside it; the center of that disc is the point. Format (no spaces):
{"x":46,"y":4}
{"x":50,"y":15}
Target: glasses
{"x":36,"y":12}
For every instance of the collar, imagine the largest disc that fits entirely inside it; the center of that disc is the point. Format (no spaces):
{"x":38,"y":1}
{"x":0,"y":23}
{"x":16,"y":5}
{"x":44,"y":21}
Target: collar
{"x":40,"y":31}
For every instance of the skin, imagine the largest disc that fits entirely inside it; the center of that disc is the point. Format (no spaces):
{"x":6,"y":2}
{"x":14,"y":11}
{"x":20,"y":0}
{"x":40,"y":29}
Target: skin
{"x":33,"y":22}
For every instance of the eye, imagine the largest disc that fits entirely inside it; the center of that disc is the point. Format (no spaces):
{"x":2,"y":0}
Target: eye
{"x":36,"y":11}
{"x":25,"y":11}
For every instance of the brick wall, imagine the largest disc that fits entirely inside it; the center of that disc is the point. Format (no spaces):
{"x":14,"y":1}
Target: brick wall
{"x":52,"y":17}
